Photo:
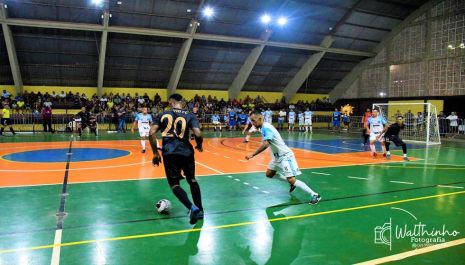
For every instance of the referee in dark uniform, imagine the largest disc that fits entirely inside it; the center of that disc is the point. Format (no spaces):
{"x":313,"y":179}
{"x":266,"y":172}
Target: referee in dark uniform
{"x":391,"y":134}
{"x":178,"y":153}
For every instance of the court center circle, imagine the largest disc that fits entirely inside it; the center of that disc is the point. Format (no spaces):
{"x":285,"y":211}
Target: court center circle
{"x":61,"y":155}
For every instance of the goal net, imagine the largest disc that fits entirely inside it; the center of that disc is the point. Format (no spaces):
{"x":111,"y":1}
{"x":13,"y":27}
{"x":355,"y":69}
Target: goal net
{"x":420,"y":119}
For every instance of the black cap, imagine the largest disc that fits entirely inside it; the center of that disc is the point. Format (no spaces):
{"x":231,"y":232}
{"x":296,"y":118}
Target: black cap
{"x":176,"y":97}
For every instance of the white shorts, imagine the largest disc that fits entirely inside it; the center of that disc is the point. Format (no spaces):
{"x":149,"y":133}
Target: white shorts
{"x":291,"y":121}
{"x":144,"y":131}
{"x":252,"y":129}
{"x":216,"y":122}
{"x":286,"y":166}
{"x":373,"y":137}
{"x":308,"y":121}
{"x":301,"y":122}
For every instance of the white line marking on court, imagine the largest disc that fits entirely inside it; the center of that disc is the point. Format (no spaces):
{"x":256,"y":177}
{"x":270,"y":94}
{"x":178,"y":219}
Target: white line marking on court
{"x":202,"y":164}
{"x":206,"y":151}
{"x":230,"y":177}
{"x":72,"y":169}
{"x":227,"y":157}
{"x":402,"y":182}
{"x":450,"y":186}
{"x":255,"y":187}
{"x":264,"y":191}
{"x":320,"y":173}
{"x":357,"y":178}
{"x":237,"y":179}
{"x":243,"y":161}
{"x":246,"y":183}
{"x":414,"y":252}
{"x":216,"y":154}
{"x":262,"y":164}
{"x":56,"y":249}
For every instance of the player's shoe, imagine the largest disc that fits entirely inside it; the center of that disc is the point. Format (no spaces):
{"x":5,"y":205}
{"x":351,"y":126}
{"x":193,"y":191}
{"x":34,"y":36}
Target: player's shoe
{"x":374,"y":154}
{"x":143,"y":151}
{"x":384,"y":154}
{"x":315,"y":199}
{"x":245,"y":141}
{"x":194,"y":214}
{"x":406,"y":158}
{"x":388,"y":156}
{"x":292,"y":188}
{"x":200,"y":215}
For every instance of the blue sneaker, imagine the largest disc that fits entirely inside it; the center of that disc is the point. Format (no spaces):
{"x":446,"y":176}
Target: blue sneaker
{"x":315,"y":199}
{"x":193,"y":214}
{"x":406,"y":158}
{"x":388,"y":156}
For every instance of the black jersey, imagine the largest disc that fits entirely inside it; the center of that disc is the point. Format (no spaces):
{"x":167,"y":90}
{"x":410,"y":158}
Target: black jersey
{"x":174,"y":126}
{"x":394,"y":129}
{"x":85,"y":116}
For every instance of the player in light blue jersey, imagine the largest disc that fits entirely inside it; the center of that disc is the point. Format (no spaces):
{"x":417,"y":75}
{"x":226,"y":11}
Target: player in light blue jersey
{"x":143,"y":121}
{"x":291,"y":119}
{"x":308,"y":120}
{"x":269,"y":116}
{"x":283,"y":160}
{"x":216,"y":122}
{"x":375,"y":127}
{"x":301,"y":121}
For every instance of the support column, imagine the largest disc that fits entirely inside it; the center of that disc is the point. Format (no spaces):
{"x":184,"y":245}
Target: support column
{"x":103,"y":51}
{"x":11,"y":50}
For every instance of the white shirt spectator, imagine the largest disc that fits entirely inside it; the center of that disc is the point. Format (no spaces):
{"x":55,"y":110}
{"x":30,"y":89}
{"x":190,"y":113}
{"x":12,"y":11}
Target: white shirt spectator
{"x":103,"y":99}
{"x":5,"y":94}
{"x":453,"y":119}
{"x":47,"y":103}
{"x":62,"y":94}
{"x":140,"y":100}
{"x":54,"y":95}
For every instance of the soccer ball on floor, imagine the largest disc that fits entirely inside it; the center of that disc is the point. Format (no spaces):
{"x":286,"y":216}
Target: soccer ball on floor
{"x":163,"y":206}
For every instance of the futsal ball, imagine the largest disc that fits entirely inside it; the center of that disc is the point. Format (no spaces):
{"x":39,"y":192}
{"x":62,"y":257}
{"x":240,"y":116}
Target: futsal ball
{"x":163,"y":206}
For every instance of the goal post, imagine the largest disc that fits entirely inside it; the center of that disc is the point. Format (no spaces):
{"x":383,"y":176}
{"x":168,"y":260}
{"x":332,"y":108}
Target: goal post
{"x":421,"y":120}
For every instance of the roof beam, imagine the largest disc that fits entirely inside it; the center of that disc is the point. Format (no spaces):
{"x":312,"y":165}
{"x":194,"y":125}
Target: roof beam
{"x":368,"y":27}
{"x":103,"y":51}
{"x":293,"y":86}
{"x":10,"y":47}
{"x":376,"y":13}
{"x":181,"y":60}
{"x":244,"y":73}
{"x":176,"y":34}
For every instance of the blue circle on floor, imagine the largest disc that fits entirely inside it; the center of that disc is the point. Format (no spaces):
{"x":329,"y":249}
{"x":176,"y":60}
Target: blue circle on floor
{"x":60,"y":155}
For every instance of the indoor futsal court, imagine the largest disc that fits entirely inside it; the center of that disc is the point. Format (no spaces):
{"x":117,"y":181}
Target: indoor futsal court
{"x":321,"y":132}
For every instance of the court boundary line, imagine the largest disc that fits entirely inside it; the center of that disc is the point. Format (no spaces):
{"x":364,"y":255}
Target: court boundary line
{"x":415,"y":252}
{"x":184,"y":231}
{"x":204,"y":175}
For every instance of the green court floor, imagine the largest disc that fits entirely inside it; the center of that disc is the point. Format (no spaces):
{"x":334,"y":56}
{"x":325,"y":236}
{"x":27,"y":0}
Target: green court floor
{"x":254,"y":223}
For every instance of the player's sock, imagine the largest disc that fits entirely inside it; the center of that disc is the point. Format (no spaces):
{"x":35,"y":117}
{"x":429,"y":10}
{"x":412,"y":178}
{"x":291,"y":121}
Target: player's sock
{"x":388,"y":152}
{"x":373,"y":148}
{"x":247,"y":138}
{"x":1,"y":131}
{"x":182,"y":197}
{"x":196,"y":195}
{"x":301,"y":185}
{"x":12,"y":131}
{"x":405,"y":155}
{"x":142,"y":142}
{"x":384,"y":148}
{"x":404,"y":149}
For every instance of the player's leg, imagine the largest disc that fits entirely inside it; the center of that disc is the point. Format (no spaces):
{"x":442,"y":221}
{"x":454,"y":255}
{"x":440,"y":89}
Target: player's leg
{"x":189,"y":171}
{"x":143,"y":136}
{"x":387,"y":143}
{"x":3,"y":126}
{"x":383,"y":147}
{"x":173,"y":175}
{"x":289,"y":170}
{"x":372,"y":145}
{"x":401,"y":143}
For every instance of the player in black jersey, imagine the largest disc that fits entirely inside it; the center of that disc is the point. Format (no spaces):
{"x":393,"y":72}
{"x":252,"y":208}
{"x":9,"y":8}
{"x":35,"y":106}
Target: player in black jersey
{"x":391,"y":134}
{"x":82,"y":120}
{"x":178,"y":153}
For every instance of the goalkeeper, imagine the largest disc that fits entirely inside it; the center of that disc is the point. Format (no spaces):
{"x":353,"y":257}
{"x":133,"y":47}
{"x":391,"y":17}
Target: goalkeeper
{"x":391,"y":134}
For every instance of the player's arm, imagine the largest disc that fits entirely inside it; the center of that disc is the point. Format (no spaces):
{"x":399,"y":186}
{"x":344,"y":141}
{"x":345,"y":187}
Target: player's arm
{"x":197,"y":134}
{"x":133,"y":125}
{"x":154,"y":144}
{"x":263,"y":147}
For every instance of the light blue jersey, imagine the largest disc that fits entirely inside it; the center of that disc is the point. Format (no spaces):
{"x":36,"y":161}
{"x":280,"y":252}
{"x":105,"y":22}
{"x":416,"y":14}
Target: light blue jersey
{"x":143,"y":120}
{"x":215,"y":118}
{"x":308,"y":115}
{"x":377,"y":124}
{"x":277,"y":145}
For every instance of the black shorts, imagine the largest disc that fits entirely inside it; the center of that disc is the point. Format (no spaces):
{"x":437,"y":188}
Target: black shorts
{"x":6,"y":121}
{"x":174,"y":164}
{"x":346,"y":123}
{"x":395,"y":139}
